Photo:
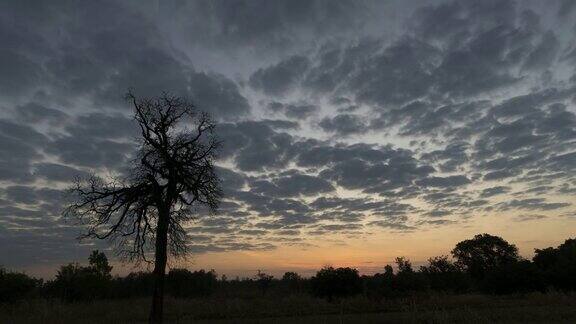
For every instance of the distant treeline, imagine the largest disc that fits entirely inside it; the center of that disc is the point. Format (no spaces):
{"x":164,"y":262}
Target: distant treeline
{"x":485,"y":263}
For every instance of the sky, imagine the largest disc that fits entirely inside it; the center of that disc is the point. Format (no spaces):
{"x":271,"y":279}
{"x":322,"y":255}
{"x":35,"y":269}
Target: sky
{"x":354,"y":131}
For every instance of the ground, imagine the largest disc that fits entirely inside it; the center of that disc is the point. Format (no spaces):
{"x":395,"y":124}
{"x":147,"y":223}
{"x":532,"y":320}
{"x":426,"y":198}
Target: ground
{"x":301,"y":309}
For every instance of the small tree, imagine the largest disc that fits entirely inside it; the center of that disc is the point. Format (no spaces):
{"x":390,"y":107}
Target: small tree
{"x":74,"y":282}
{"x":388,"y":271}
{"x":173,"y":172}
{"x":404,"y":265}
{"x":99,"y":264}
{"x":292,"y":280}
{"x":442,"y":274}
{"x":264,"y":280}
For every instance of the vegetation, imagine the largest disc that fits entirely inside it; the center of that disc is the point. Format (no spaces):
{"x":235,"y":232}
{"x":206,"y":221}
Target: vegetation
{"x":442,"y":288}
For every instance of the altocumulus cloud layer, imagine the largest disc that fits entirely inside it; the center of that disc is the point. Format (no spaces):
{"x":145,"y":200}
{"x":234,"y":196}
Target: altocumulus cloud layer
{"x":339,"y":118}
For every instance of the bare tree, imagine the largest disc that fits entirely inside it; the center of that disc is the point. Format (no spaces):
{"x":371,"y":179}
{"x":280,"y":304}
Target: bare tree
{"x":172,"y":175}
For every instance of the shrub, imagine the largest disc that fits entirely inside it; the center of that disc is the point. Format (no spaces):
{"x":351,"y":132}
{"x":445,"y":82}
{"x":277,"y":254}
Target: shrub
{"x":339,"y":282}
{"x":15,"y":286}
{"x":185,"y":284}
{"x":74,"y":282}
{"x":443,"y":275}
{"x":516,"y":277}
{"x":558,"y":265}
{"x":264,"y":281}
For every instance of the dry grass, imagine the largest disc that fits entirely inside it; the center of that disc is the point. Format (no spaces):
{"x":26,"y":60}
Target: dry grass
{"x":533,"y":308}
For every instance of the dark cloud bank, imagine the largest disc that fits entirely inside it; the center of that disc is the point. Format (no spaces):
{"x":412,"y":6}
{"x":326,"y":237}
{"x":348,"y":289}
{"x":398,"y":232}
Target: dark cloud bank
{"x":484,"y":92}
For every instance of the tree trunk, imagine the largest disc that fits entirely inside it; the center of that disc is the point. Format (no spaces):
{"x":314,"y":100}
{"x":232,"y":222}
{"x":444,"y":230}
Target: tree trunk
{"x":156,"y":313}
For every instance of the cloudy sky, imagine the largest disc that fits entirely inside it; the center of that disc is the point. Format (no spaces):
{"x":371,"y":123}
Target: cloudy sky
{"x":354,"y":131}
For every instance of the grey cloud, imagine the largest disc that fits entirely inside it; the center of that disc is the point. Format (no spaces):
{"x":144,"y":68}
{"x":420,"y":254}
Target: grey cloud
{"x":22,"y":133}
{"x":19,"y":146}
{"x":101,"y":61}
{"x":529,"y":217}
{"x":256,"y":145}
{"x":24,"y":73}
{"x":393,"y":226}
{"x":545,"y":52}
{"x":437,"y":222}
{"x":444,"y":182}
{"x":448,"y":84}
{"x":438,"y":213}
{"x":499,"y":175}
{"x":292,"y":184}
{"x":531,"y":204}
{"x":230,"y":180}
{"x":57,"y":172}
{"x":331,"y":228}
{"x":566,"y":8}
{"x":494,"y":191}
{"x":217,"y":94}
{"x":294,"y":110}
{"x":230,"y":246}
{"x":565,"y":161}
{"x":280,"y":78}
{"x":450,"y":158}
{"x":261,"y":24}
{"x":33,"y":112}
{"x":343,"y":124}
{"x":99,"y":125}
{"x":454,"y":20}
{"x":90,"y":152}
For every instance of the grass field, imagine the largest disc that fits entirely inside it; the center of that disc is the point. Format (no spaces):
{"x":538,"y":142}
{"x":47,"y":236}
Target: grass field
{"x":532,"y":308}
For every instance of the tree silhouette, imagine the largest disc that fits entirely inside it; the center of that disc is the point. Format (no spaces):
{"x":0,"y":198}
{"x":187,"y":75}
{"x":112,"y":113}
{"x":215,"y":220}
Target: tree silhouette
{"x":99,"y":263}
{"x":558,"y":264}
{"x":171,"y":175}
{"x":340,"y":282}
{"x":483,"y":253}
{"x":404,"y":265}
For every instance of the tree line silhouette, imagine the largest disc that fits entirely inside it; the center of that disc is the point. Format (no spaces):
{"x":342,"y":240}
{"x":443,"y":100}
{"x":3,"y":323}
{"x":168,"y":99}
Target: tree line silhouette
{"x":485,"y":263}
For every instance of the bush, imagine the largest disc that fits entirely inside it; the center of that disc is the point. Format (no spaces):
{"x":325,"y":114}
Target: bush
{"x":517,"y":277}
{"x":558,"y":265}
{"x":292,"y":281}
{"x":340,"y":282}
{"x":264,"y":281}
{"x":442,"y":275}
{"x":135,"y":284}
{"x":185,"y":284}
{"x":74,"y":282}
{"x":15,"y":286}
{"x":77,"y":283}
